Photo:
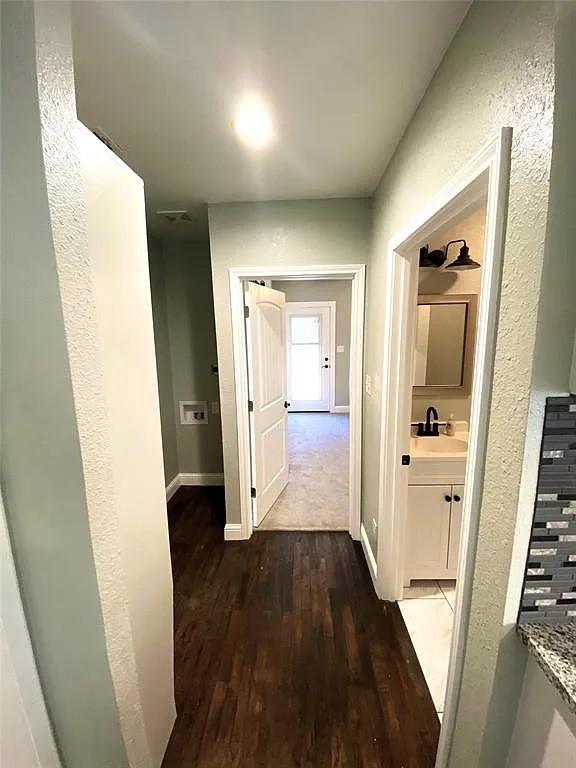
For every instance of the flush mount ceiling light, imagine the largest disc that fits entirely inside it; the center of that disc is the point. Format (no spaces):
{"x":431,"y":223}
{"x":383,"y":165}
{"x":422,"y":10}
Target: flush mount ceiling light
{"x":252,"y":123}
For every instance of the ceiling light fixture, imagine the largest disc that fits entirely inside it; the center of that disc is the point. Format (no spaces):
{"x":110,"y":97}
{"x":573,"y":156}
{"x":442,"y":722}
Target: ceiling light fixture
{"x":253,"y":124}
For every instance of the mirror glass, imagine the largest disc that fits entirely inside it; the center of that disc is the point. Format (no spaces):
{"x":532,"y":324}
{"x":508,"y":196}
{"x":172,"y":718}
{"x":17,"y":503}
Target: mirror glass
{"x":440,"y":344}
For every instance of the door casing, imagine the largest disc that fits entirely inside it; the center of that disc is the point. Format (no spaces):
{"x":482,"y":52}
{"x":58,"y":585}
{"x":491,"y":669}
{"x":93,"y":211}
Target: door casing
{"x":236,"y":276}
{"x":486,"y":175}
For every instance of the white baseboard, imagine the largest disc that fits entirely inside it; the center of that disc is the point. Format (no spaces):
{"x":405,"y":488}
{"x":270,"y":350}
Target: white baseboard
{"x":340,"y":409}
{"x":193,"y":478}
{"x":369,"y":555}
{"x":201,"y":478}
{"x":172,"y":487}
{"x":233,"y":532}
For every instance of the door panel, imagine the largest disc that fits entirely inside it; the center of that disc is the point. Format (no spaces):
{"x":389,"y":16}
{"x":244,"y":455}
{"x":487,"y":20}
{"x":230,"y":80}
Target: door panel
{"x":266,"y":336}
{"x":428,"y":530}
{"x":309,"y":357}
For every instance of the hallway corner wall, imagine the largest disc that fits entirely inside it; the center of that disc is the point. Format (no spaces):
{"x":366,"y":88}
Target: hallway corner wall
{"x":163,"y":359}
{"x":185,"y":338}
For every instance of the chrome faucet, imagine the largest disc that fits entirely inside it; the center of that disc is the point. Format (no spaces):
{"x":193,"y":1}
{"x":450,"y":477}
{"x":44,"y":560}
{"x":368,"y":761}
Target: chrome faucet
{"x":430,"y":429}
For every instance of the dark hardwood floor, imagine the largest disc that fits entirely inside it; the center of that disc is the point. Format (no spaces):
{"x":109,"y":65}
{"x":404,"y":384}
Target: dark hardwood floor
{"x":283,"y":654}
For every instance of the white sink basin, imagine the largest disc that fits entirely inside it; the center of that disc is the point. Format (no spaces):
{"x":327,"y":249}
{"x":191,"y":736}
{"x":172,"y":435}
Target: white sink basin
{"x":438,"y":446}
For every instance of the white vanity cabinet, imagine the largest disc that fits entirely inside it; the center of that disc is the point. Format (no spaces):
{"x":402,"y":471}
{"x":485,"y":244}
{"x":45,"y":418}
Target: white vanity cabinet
{"x":433,"y":531}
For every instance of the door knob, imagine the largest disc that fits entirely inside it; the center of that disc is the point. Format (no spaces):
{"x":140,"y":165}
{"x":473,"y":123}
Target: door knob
{"x":447,"y":498}
{"x":456,"y":498}
{"x":286,"y":404}
{"x":326,"y":366}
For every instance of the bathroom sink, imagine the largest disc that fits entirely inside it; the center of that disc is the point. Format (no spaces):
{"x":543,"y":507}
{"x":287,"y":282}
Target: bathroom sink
{"x":438,"y":446}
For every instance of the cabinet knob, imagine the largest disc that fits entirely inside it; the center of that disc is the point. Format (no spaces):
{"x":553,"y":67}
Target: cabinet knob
{"x":447,"y":498}
{"x":456,"y":498}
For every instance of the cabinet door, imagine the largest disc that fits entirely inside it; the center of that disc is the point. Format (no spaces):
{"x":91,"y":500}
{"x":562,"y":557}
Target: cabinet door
{"x":428,"y":531}
{"x":455,"y":528}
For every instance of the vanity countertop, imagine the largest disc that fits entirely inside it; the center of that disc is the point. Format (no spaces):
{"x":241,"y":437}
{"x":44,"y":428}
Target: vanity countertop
{"x":554,"y":648}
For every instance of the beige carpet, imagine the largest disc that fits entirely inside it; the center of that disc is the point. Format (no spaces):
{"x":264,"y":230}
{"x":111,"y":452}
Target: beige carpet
{"x":316,"y":497}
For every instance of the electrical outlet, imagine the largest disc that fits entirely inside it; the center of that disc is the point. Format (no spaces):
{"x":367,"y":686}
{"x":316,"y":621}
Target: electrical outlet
{"x":340,"y":348}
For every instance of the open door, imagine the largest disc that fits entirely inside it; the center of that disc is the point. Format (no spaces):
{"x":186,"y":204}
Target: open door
{"x":266,"y":337}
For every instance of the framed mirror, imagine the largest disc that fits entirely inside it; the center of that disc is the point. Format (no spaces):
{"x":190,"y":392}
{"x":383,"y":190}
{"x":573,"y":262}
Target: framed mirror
{"x":444,"y":344}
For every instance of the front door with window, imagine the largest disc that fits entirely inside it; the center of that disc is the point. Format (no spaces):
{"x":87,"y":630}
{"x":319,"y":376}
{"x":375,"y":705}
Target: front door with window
{"x":309,"y":363}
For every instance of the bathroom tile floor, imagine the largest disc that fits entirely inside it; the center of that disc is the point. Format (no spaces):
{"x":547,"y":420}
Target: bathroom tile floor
{"x":428,"y":612}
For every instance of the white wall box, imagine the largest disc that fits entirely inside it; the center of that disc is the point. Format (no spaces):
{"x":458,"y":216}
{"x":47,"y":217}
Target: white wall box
{"x":193,"y":412}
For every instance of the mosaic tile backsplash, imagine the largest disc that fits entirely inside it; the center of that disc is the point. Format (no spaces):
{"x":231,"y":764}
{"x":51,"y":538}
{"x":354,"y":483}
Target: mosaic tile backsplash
{"x":549,"y":593}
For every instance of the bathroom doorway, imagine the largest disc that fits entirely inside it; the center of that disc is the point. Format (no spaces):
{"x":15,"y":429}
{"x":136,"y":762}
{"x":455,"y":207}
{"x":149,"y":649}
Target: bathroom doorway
{"x":484,"y":178}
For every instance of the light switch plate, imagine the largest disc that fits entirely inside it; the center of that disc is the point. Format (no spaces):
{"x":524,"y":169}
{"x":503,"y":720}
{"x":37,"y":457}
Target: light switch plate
{"x":368,"y":384}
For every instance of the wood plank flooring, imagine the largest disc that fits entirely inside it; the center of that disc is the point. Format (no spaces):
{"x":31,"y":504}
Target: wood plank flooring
{"x":283,"y":654}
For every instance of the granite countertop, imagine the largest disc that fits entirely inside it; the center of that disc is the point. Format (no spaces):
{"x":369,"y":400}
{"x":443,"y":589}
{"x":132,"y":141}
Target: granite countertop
{"x":554,"y":648}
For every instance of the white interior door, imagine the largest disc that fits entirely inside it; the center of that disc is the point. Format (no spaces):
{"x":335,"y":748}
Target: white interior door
{"x":266,"y":336}
{"x":308,"y":331}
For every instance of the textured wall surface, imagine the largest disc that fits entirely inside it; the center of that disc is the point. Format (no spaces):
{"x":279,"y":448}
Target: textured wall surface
{"x":190,"y":312}
{"x":185,"y":339}
{"x":339,"y":291}
{"x":289,"y":233}
{"x":42,"y":462}
{"x":118,"y":257}
{"x":163,"y":360}
{"x":498,"y":71}
{"x":59,"y":437}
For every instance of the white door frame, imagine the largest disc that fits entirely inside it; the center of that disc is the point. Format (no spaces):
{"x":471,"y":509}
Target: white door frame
{"x":312,"y":305}
{"x":353,"y":272}
{"x":486,"y":175}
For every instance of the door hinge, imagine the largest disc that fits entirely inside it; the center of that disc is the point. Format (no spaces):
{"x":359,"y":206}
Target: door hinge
{"x":250,"y":405}
{"x":405,"y":459}
{"x":246,"y":311}
{"x":253,"y":493}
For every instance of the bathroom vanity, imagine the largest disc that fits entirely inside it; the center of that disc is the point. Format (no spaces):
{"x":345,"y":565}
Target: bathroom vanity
{"x":434,"y":513}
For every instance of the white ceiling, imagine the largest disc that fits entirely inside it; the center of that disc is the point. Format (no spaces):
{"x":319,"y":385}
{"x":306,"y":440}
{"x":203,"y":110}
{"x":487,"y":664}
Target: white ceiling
{"x":342,"y":80}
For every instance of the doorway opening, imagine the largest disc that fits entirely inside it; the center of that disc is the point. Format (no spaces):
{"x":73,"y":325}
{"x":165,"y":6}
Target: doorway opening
{"x":317,"y":368}
{"x":484,"y":178}
{"x":300,"y":333}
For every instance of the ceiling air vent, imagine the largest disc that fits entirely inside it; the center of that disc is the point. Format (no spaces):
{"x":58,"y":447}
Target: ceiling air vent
{"x":174,"y":216}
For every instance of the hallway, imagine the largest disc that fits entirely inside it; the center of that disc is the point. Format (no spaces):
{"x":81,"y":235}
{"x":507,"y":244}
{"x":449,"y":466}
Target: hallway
{"x":283,"y":654}
{"x":316,"y":497}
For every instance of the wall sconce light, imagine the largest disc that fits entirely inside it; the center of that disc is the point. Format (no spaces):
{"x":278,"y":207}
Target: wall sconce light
{"x":435,"y":259}
{"x":463,"y":261}
{"x":431,"y":259}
